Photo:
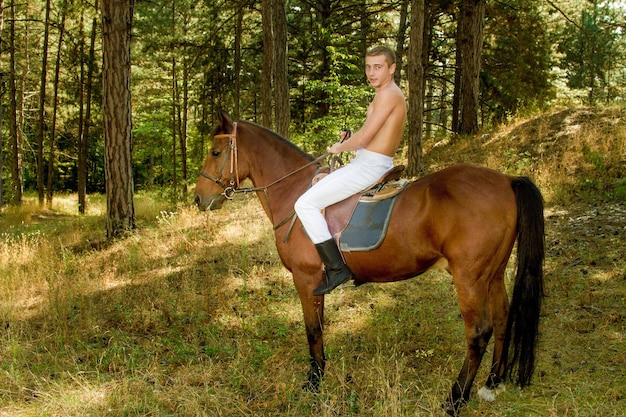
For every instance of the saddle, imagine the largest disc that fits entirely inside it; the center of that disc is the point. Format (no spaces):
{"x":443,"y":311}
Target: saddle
{"x":359,"y":223}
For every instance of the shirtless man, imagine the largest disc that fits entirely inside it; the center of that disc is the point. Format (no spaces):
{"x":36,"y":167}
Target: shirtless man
{"x":375,"y":144}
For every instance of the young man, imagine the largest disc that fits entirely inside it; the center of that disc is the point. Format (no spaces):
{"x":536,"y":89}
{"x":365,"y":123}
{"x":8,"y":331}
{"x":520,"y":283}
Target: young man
{"x":375,"y":144}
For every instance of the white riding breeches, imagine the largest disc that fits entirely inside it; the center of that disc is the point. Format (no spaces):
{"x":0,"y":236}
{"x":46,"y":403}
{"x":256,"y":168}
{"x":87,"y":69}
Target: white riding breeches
{"x":361,"y":173}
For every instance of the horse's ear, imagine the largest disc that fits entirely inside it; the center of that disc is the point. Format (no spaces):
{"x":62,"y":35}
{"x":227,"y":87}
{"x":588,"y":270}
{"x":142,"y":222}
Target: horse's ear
{"x":225,"y":120}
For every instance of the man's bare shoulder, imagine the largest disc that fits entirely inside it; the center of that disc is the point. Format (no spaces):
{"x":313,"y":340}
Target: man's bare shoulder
{"x":391,"y":94}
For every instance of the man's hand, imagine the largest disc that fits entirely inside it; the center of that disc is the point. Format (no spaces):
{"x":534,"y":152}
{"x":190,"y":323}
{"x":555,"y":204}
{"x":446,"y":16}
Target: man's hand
{"x":343,"y":136}
{"x":335,"y":148}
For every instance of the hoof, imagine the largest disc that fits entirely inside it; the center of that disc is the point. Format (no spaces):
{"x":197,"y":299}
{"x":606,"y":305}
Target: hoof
{"x":314,"y":378}
{"x":311,"y":387}
{"x":490,"y":394}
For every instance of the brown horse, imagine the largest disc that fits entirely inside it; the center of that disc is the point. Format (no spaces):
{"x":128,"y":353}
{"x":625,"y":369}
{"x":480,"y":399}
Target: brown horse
{"x":465,"y":217}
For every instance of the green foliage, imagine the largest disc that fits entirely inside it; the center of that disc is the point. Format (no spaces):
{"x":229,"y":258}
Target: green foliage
{"x":593,"y":49}
{"x":517,"y":59}
{"x":620,"y":189}
{"x":595,"y":158}
{"x":517,"y":163}
{"x":184,"y":68}
{"x":347,"y":111}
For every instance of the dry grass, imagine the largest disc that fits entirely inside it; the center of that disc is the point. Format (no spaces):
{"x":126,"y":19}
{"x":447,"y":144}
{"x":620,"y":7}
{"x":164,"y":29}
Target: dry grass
{"x":194,"y":315}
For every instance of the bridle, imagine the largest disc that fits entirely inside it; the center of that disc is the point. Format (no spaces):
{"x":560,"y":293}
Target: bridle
{"x":232,"y":187}
{"x":233,"y":184}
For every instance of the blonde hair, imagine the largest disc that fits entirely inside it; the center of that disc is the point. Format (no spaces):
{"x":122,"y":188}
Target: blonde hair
{"x":390,"y":56}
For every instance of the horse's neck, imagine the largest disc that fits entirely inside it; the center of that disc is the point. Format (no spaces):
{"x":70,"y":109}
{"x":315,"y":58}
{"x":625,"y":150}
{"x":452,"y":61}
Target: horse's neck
{"x":273,"y":169}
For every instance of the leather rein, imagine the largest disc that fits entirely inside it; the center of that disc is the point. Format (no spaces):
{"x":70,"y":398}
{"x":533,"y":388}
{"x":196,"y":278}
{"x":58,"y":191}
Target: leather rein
{"x":232,"y":187}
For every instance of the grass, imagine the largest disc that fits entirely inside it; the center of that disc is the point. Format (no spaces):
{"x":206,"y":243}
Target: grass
{"x":194,"y":315}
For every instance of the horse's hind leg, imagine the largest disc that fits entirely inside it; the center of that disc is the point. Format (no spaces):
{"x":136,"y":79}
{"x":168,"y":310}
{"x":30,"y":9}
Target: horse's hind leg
{"x":499,"y":307}
{"x":478,"y":331}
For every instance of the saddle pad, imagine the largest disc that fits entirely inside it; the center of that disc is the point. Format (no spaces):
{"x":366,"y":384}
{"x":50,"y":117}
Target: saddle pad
{"x":367,"y":226}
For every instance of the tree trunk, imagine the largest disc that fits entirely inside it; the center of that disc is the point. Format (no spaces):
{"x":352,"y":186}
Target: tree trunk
{"x":175,"y":119}
{"x":281,"y":82}
{"x":182,"y":134}
{"x":427,"y":82}
{"x":428,"y":112}
{"x":237,"y":75}
{"x":443,"y":109}
{"x":415,"y":72}
{"x":458,"y":59}
{"x":84,"y":139}
{"x":400,"y":38}
{"x":1,"y":111}
{"x":16,"y":146}
{"x":42,"y":106}
{"x":175,"y":122}
{"x":268,"y":65}
{"x":55,"y":102}
{"x":116,"y":111}
{"x":472,"y":20}
{"x":81,"y":102}
{"x":323,"y":16}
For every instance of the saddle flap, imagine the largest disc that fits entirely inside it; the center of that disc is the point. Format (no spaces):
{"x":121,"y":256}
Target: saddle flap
{"x":339,"y":215}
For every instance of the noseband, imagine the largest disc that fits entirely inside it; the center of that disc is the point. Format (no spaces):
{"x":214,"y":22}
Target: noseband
{"x":229,"y":190}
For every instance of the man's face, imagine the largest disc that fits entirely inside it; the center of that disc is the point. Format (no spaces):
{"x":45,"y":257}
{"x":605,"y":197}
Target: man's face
{"x":378,"y":71}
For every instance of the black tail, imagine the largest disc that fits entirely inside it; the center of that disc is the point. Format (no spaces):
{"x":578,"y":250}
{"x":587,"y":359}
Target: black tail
{"x":523,"y":320}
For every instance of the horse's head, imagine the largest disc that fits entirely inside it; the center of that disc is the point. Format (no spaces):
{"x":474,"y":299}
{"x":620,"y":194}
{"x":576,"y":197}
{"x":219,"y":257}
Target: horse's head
{"x":219,"y":177}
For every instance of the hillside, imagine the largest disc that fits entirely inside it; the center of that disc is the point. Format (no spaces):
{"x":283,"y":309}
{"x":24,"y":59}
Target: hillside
{"x":573,"y":155}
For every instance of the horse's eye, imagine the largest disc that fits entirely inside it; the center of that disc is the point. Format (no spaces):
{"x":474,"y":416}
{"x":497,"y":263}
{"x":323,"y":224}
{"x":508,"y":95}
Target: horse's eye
{"x":215,"y":153}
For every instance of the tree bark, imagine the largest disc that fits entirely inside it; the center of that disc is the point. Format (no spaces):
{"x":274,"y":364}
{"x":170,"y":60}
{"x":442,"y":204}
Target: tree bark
{"x":55,"y":102}
{"x":175,"y":105}
{"x":175,"y":123}
{"x":268,"y":64}
{"x":400,"y":38}
{"x":415,"y":70}
{"x":281,"y":82}
{"x":117,"y":121}
{"x":84,"y":139}
{"x":237,"y":75}
{"x":1,"y":111}
{"x":183,"y":116}
{"x":472,"y":20}
{"x":42,"y":107}
{"x":458,"y":59}
{"x":16,"y":146}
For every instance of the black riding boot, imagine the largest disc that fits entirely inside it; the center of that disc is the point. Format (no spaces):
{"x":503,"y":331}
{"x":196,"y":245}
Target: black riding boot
{"x":337,"y":272}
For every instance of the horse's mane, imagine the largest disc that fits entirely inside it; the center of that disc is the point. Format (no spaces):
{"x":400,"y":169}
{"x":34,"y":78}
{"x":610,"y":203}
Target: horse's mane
{"x":279,"y":138}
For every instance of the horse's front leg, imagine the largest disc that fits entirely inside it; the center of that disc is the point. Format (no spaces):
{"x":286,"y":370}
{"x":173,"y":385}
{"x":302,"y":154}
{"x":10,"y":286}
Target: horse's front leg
{"x":313,"y":310}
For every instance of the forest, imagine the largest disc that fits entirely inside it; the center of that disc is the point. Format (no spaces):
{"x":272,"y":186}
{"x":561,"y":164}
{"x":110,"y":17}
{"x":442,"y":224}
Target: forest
{"x":107,"y":111}
{"x":293,"y":66}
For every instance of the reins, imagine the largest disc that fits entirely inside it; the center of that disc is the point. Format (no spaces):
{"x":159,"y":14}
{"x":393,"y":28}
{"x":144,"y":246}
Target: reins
{"x":233,"y":187}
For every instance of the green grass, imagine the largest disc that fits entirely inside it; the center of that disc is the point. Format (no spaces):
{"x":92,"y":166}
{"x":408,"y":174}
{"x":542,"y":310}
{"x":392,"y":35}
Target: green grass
{"x":194,"y":315}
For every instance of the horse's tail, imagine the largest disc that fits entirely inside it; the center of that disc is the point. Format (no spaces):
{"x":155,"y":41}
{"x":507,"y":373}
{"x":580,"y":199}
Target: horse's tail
{"x":523,"y":319}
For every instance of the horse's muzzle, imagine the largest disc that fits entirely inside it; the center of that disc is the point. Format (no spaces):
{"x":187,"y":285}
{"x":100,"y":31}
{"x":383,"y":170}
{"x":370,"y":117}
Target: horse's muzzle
{"x":212,"y":202}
